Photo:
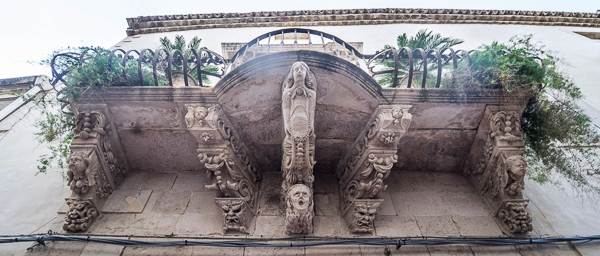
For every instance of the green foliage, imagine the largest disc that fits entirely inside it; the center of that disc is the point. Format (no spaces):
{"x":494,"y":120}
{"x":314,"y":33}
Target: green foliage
{"x":559,"y":137}
{"x":179,"y":44}
{"x":425,"y":40}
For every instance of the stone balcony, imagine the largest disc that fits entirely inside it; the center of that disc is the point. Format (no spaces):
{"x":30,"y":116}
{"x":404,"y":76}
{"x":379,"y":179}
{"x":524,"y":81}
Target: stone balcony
{"x":447,"y":171}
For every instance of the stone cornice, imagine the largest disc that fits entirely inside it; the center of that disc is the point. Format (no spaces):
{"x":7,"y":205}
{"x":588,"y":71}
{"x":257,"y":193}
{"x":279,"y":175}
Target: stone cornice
{"x":351,"y":17}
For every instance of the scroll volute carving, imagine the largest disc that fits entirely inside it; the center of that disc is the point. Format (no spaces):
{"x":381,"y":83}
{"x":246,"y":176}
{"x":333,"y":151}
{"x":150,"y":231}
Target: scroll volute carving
{"x":298,"y":106}
{"x":505,"y":129}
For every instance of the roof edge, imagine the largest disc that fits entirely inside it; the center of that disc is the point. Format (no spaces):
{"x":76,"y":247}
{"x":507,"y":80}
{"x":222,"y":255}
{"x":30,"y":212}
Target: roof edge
{"x":351,"y":17}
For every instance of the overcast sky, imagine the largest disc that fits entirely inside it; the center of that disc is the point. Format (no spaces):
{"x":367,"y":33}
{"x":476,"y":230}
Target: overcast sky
{"x":32,"y":30}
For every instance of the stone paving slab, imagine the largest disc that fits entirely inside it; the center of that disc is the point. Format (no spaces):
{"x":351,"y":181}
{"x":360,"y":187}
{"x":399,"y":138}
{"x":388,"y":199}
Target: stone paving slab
{"x":327,"y":205}
{"x":125,"y":224}
{"x":216,"y":250}
{"x":495,"y":250}
{"x":190,"y":224}
{"x":451,"y":182}
{"x":440,"y":226}
{"x":334,"y":250}
{"x":387,"y":207}
{"x":59,"y":248}
{"x":95,"y":249}
{"x":166,"y":224}
{"x":269,"y":226}
{"x":325,"y":183}
{"x":172,"y":202}
{"x":410,"y":181}
{"x":450,"y":250}
{"x":464,"y":204}
{"x":282,"y":251}
{"x":330,"y":226}
{"x":396,"y":226}
{"x":168,"y":250}
{"x":122,"y":201}
{"x":477,"y":226}
{"x":148,"y":181}
{"x":419,"y":203}
{"x":194,"y":181}
{"x":203,"y":202}
{"x":372,"y":250}
{"x":270,"y":195}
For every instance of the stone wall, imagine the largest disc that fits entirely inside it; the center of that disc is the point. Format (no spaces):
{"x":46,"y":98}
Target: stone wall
{"x":351,"y":17}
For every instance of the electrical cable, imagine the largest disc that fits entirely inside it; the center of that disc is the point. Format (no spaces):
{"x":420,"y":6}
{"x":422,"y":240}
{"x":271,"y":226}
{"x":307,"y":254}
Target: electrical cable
{"x":398,"y":242}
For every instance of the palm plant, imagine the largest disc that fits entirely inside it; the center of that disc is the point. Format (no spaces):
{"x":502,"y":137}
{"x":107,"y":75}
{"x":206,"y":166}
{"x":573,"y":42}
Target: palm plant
{"x":180,"y":44}
{"x":425,"y":40}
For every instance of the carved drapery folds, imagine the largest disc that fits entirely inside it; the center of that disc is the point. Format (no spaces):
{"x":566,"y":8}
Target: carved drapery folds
{"x":363,"y":170}
{"x":499,"y":169}
{"x":94,"y":172}
{"x":230,"y":168}
{"x":298,"y":101}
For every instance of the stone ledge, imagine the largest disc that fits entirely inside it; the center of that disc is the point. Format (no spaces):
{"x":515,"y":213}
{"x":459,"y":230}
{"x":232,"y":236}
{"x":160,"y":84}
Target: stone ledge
{"x":349,"y":17}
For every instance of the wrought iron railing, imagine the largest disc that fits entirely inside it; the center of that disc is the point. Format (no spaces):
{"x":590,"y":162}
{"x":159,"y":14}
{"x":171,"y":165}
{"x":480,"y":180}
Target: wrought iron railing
{"x":403,"y":64}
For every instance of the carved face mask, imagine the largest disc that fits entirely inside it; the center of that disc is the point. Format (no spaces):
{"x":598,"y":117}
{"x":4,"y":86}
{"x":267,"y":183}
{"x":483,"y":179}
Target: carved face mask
{"x":77,"y":164}
{"x":300,"y":196}
{"x":299,"y":73}
{"x":364,"y":216}
{"x":517,"y":169}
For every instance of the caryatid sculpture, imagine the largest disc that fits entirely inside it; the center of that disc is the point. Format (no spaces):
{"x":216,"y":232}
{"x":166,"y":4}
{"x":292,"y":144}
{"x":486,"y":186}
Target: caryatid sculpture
{"x":298,"y":105}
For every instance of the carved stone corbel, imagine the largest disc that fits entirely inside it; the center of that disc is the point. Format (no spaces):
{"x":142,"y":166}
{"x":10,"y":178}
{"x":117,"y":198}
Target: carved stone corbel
{"x":363,"y":170}
{"x":298,"y":101}
{"x":81,"y":214}
{"x":500,"y":169}
{"x":228,"y":163}
{"x":94,"y":172}
{"x":361,"y":213}
{"x":238,"y":215}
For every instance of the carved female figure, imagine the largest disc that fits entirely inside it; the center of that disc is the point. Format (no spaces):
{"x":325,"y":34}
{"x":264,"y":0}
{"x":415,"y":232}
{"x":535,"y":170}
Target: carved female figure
{"x":298,"y":105}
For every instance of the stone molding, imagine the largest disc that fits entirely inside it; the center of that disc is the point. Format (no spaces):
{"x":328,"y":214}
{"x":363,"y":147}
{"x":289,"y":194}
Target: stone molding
{"x":229,"y":165}
{"x":352,"y":17}
{"x":498,"y":169}
{"x":364,"y":168}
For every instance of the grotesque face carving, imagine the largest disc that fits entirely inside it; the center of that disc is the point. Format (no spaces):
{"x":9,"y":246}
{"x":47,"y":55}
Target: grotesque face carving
{"x":200,"y":113}
{"x":363,"y":215}
{"x":77,"y":163}
{"x":516,"y":166}
{"x":300,"y":197}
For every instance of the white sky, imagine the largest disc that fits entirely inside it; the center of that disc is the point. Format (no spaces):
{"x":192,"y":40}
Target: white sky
{"x":31,"y":30}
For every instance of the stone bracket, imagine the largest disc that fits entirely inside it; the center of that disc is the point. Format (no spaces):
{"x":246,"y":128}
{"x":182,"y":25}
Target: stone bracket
{"x":373,"y":154}
{"x":238,"y":215}
{"x":229,"y":164}
{"x":496,"y":166}
{"x":360,"y":214}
